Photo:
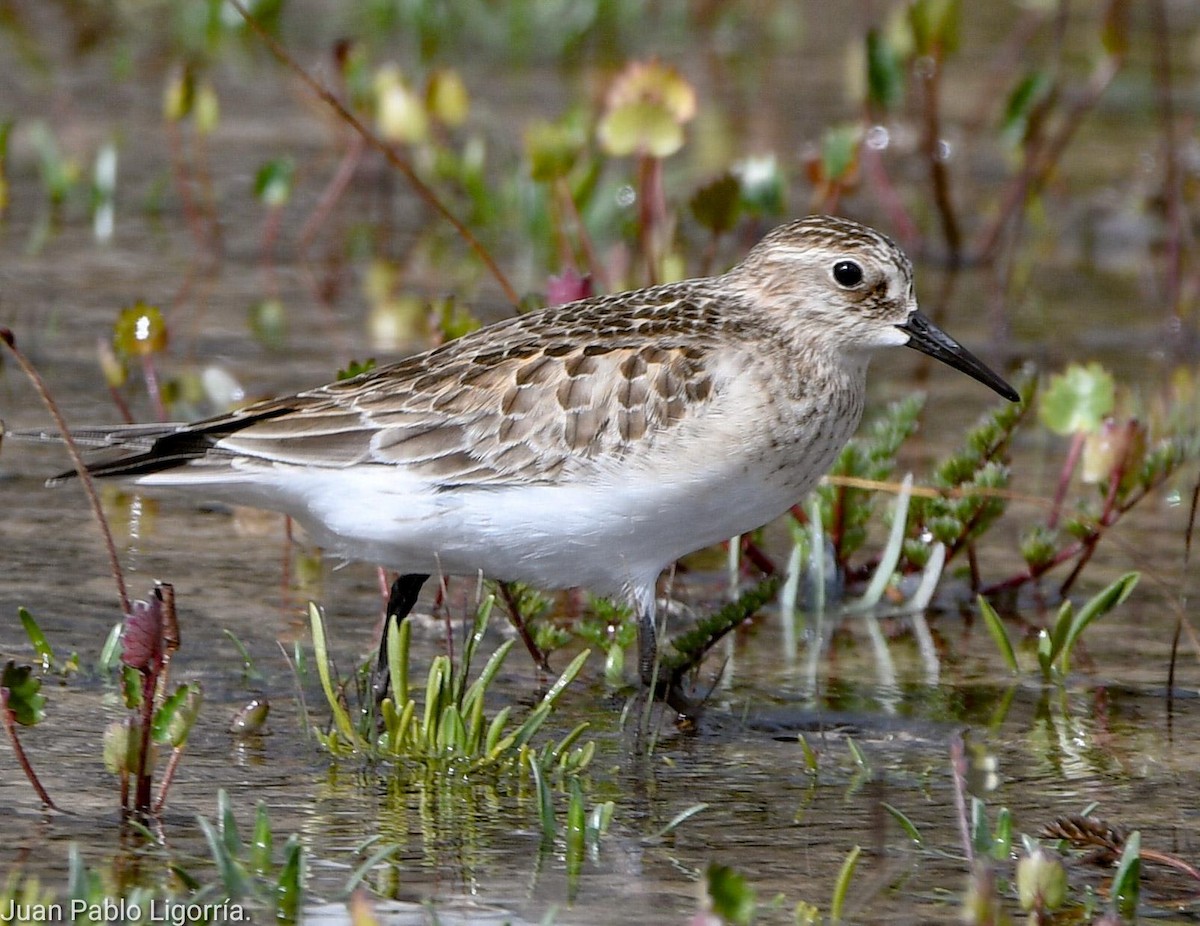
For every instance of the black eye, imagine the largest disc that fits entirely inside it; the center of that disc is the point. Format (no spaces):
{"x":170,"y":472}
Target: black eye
{"x":847,"y":273}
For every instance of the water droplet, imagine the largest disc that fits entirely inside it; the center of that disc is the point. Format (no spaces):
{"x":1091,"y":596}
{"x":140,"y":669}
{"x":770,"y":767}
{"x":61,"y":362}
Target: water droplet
{"x":878,"y":138}
{"x":626,"y":196}
{"x":944,"y":151}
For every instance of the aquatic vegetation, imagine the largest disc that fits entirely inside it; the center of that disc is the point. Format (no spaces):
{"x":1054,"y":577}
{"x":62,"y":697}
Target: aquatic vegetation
{"x":451,"y":727}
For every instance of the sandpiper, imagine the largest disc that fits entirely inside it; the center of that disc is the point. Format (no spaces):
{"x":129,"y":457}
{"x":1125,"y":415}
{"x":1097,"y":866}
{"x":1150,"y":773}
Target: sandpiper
{"x":589,"y":444}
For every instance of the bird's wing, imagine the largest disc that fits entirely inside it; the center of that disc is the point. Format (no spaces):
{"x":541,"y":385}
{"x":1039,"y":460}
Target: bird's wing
{"x":515,"y":403}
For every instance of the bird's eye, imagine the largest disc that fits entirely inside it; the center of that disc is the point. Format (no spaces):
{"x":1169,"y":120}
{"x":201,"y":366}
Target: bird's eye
{"x":847,"y":273}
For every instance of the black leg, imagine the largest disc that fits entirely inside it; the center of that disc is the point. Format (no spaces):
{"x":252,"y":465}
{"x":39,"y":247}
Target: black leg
{"x":405,"y":591}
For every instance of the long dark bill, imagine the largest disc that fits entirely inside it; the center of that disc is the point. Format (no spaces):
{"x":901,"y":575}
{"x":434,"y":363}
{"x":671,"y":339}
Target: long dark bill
{"x":928,"y":338}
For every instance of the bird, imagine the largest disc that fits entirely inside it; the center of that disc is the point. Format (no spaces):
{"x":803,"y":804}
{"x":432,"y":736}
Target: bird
{"x":586,"y":444}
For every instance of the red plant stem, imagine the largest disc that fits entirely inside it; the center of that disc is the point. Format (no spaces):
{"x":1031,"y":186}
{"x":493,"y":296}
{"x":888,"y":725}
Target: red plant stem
{"x":1039,"y":164}
{"x":150,"y":373}
{"x":1106,"y":519}
{"x":973,"y":565}
{"x":122,"y":405}
{"x":420,"y":188}
{"x":89,"y":485}
{"x":515,"y":618}
{"x":183,"y":184}
{"x":18,"y":750}
{"x":145,"y":770}
{"x":595,"y":266}
{"x":651,"y":214}
{"x":168,"y":777}
{"x":753,"y":552}
{"x":1064,"y":477}
{"x":566,"y":254}
{"x":333,"y":192}
{"x":1171,"y":861}
{"x":270,"y":235}
{"x":930,"y":78}
{"x":958,"y":772}
{"x":1170,"y":175}
{"x":888,"y":198}
{"x":204,"y":181}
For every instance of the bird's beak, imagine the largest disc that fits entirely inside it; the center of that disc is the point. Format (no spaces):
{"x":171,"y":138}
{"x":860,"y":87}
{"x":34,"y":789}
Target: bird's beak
{"x":928,"y":338}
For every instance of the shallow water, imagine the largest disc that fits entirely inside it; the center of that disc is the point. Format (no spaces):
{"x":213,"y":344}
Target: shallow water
{"x":901,"y":688}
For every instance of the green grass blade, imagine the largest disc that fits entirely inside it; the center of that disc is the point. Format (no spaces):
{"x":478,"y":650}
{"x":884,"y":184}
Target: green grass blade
{"x":1125,"y":885}
{"x":359,"y":873}
{"x":545,"y":804}
{"x":1100,"y":604}
{"x":289,"y":889}
{"x":534,"y":721}
{"x":41,"y":645}
{"x":482,"y":614}
{"x":434,"y":685}
{"x":479,"y":688}
{"x":910,"y":828}
{"x":995,"y":627}
{"x":341,"y":719}
{"x":1058,"y":632}
{"x":675,"y":821}
{"x":491,"y":743}
{"x":399,"y":636}
{"x":841,"y":886}
{"x":235,"y":880}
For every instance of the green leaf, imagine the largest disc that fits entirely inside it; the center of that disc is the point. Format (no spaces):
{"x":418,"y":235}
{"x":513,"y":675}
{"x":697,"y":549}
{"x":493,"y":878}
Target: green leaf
{"x":1078,"y":399}
{"x":260,"y":848}
{"x":995,"y":627}
{"x":885,"y":73}
{"x":1100,"y":604}
{"x":553,"y":147}
{"x":576,"y":832}
{"x":764,"y":188}
{"x":676,"y":821}
{"x":1029,"y":93}
{"x":717,"y":204}
{"x":41,"y":645}
{"x":268,"y":323}
{"x":230,"y":836}
{"x":173,"y":721}
{"x":910,"y":828}
{"x":641,"y":127}
{"x":732,"y":898}
{"x":839,"y":151}
{"x":140,"y":331}
{"x":233,"y":877}
{"x":23,"y":700}
{"x":935,"y":26}
{"x":841,"y":886}
{"x":110,"y":652}
{"x":273,"y":182}
{"x":324,"y":670}
{"x":545,"y":804}
{"x":1125,"y":884}
{"x":289,"y":890}
{"x":356,"y":368}
{"x":116,"y":747}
